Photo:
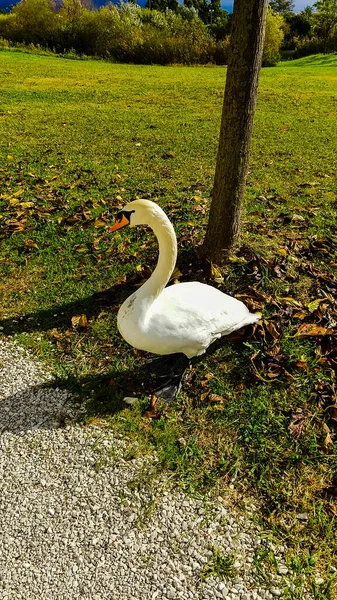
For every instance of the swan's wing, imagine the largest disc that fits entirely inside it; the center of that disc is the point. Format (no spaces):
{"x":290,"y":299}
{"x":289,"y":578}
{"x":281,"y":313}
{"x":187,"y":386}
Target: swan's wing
{"x":195,"y":315}
{"x":197,"y":302}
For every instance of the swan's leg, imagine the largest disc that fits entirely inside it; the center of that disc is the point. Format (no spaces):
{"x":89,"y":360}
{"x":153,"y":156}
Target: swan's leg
{"x":170,"y":371}
{"x":161,"y":364}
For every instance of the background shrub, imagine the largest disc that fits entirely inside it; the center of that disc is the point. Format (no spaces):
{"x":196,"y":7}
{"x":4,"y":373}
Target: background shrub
{"x":273,"y":40}
{"x":128,"y":33}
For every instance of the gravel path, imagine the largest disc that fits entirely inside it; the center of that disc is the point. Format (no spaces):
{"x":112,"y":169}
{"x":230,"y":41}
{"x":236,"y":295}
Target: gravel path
{"x":80,"y":521}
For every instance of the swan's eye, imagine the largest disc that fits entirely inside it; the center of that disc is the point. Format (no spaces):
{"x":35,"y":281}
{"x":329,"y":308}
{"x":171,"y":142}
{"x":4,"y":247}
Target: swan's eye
{"x":126,"y":213}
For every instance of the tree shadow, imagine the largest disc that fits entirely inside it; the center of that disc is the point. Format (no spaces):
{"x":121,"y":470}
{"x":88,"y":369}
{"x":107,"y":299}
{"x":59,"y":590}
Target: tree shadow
{"x":104,"y":393}
{"x":59,"y":315}
{"x":33,"y":408}
{"x":52,"y":404}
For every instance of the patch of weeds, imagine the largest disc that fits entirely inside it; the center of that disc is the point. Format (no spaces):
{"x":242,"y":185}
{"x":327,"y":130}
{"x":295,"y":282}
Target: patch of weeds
{"x":145,"y":513}
{"x":264,"y":562}
{"x":148,"y":489}
{"x":221,"y":565}
{"x":303,"y":578}
{"x":325,"y":590}
{"x":106,"y":458}
{"x":131,"y":452}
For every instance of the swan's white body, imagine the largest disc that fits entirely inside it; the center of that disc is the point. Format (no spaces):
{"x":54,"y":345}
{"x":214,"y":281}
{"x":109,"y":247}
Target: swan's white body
{"x":186,"y":317}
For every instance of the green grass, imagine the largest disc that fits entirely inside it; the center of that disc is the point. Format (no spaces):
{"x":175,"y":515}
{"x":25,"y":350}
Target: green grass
{"x":81,"y":138}
{"x":220,"y":566}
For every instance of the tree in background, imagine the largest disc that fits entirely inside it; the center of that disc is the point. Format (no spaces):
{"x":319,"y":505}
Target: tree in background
{"x":162,"y":5}
{"x":189,"y":13}
{"x":248,"y":29}
{"x":221,"y":26}
{"x":208,"y":10}
{"x":214,"y":10}
{"x":299,"y":24}
{"x":282,"y":6}
{"x":72,"y":10}
{"x":325,"y":19}
{"x":38,"y":20}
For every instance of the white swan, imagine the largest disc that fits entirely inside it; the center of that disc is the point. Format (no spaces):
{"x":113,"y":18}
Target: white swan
{"x":183,"y":318}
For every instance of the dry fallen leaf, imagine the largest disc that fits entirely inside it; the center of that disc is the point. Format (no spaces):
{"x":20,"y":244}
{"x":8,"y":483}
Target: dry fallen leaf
{"x":302,"y":363}
{"x":311,"y":330}
{"x":328,"y":439}
{"x":26,"y":204}
{"x":314,"y":305}
{"x":153,"y":412}
{"x":96,"y":242}
{"x":216,"y":274}
{"x":99,"y":223}
{"x":216,"y":399}
{"x":272,"y":329}
{"x":79,"y":321}
{"x":290,"y":302}
{"x":298,"y":424}
{"x":298,"y":217}
{"x":30,"y":244}
{"x":205,"y":381}
{"x":283,"y":251}
{"x":300,"y":315}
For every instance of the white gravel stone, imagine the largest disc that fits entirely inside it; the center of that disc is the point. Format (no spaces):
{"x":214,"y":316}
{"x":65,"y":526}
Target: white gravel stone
{"x":283,"y":570}
{"x":75,"y":527}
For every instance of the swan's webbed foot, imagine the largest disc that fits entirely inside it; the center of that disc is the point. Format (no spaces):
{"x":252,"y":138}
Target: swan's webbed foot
{"x":170,"y":370}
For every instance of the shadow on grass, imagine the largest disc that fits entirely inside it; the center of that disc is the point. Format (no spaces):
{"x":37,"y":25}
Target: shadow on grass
{"x":50,"y":405}
{"x":104,"y":393}
{"x":59,"y":315}
{"x":319,"y":60}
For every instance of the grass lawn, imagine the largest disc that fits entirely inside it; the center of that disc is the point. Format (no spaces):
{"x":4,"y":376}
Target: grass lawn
{"x":81,"y":138}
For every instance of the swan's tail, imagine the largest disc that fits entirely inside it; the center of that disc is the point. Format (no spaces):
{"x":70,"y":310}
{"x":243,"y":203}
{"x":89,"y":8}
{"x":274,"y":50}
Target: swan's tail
{"x":248,"y":319}
{"x":252,"y":318}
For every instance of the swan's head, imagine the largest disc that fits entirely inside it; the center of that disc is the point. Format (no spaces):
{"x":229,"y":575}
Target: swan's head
{"x":138,"y":212}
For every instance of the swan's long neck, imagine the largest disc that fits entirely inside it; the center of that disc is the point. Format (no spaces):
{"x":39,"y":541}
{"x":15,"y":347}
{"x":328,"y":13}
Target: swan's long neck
{"x":167,"y":241}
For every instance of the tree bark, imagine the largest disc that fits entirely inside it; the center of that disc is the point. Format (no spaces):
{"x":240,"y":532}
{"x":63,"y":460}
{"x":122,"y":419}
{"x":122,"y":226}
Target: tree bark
{"x":247,"y":37}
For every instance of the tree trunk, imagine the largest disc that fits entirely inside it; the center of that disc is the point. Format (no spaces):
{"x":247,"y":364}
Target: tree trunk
{"x":249,"y":18}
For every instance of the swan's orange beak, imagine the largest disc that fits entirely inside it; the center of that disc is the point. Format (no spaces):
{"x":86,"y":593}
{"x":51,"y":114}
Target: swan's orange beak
{"x":124,"y":221}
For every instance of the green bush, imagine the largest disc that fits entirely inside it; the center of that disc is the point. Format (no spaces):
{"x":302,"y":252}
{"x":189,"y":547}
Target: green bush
{"x":314,"y":45}
{"x":220,"y":51}
{"x":8,"y":26}
{"x":273,"y":40}
{"x":127,"y":33}
{"x":35,"y":22}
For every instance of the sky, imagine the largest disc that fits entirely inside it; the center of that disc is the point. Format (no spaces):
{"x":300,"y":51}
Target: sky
{"x":299,"y":4}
